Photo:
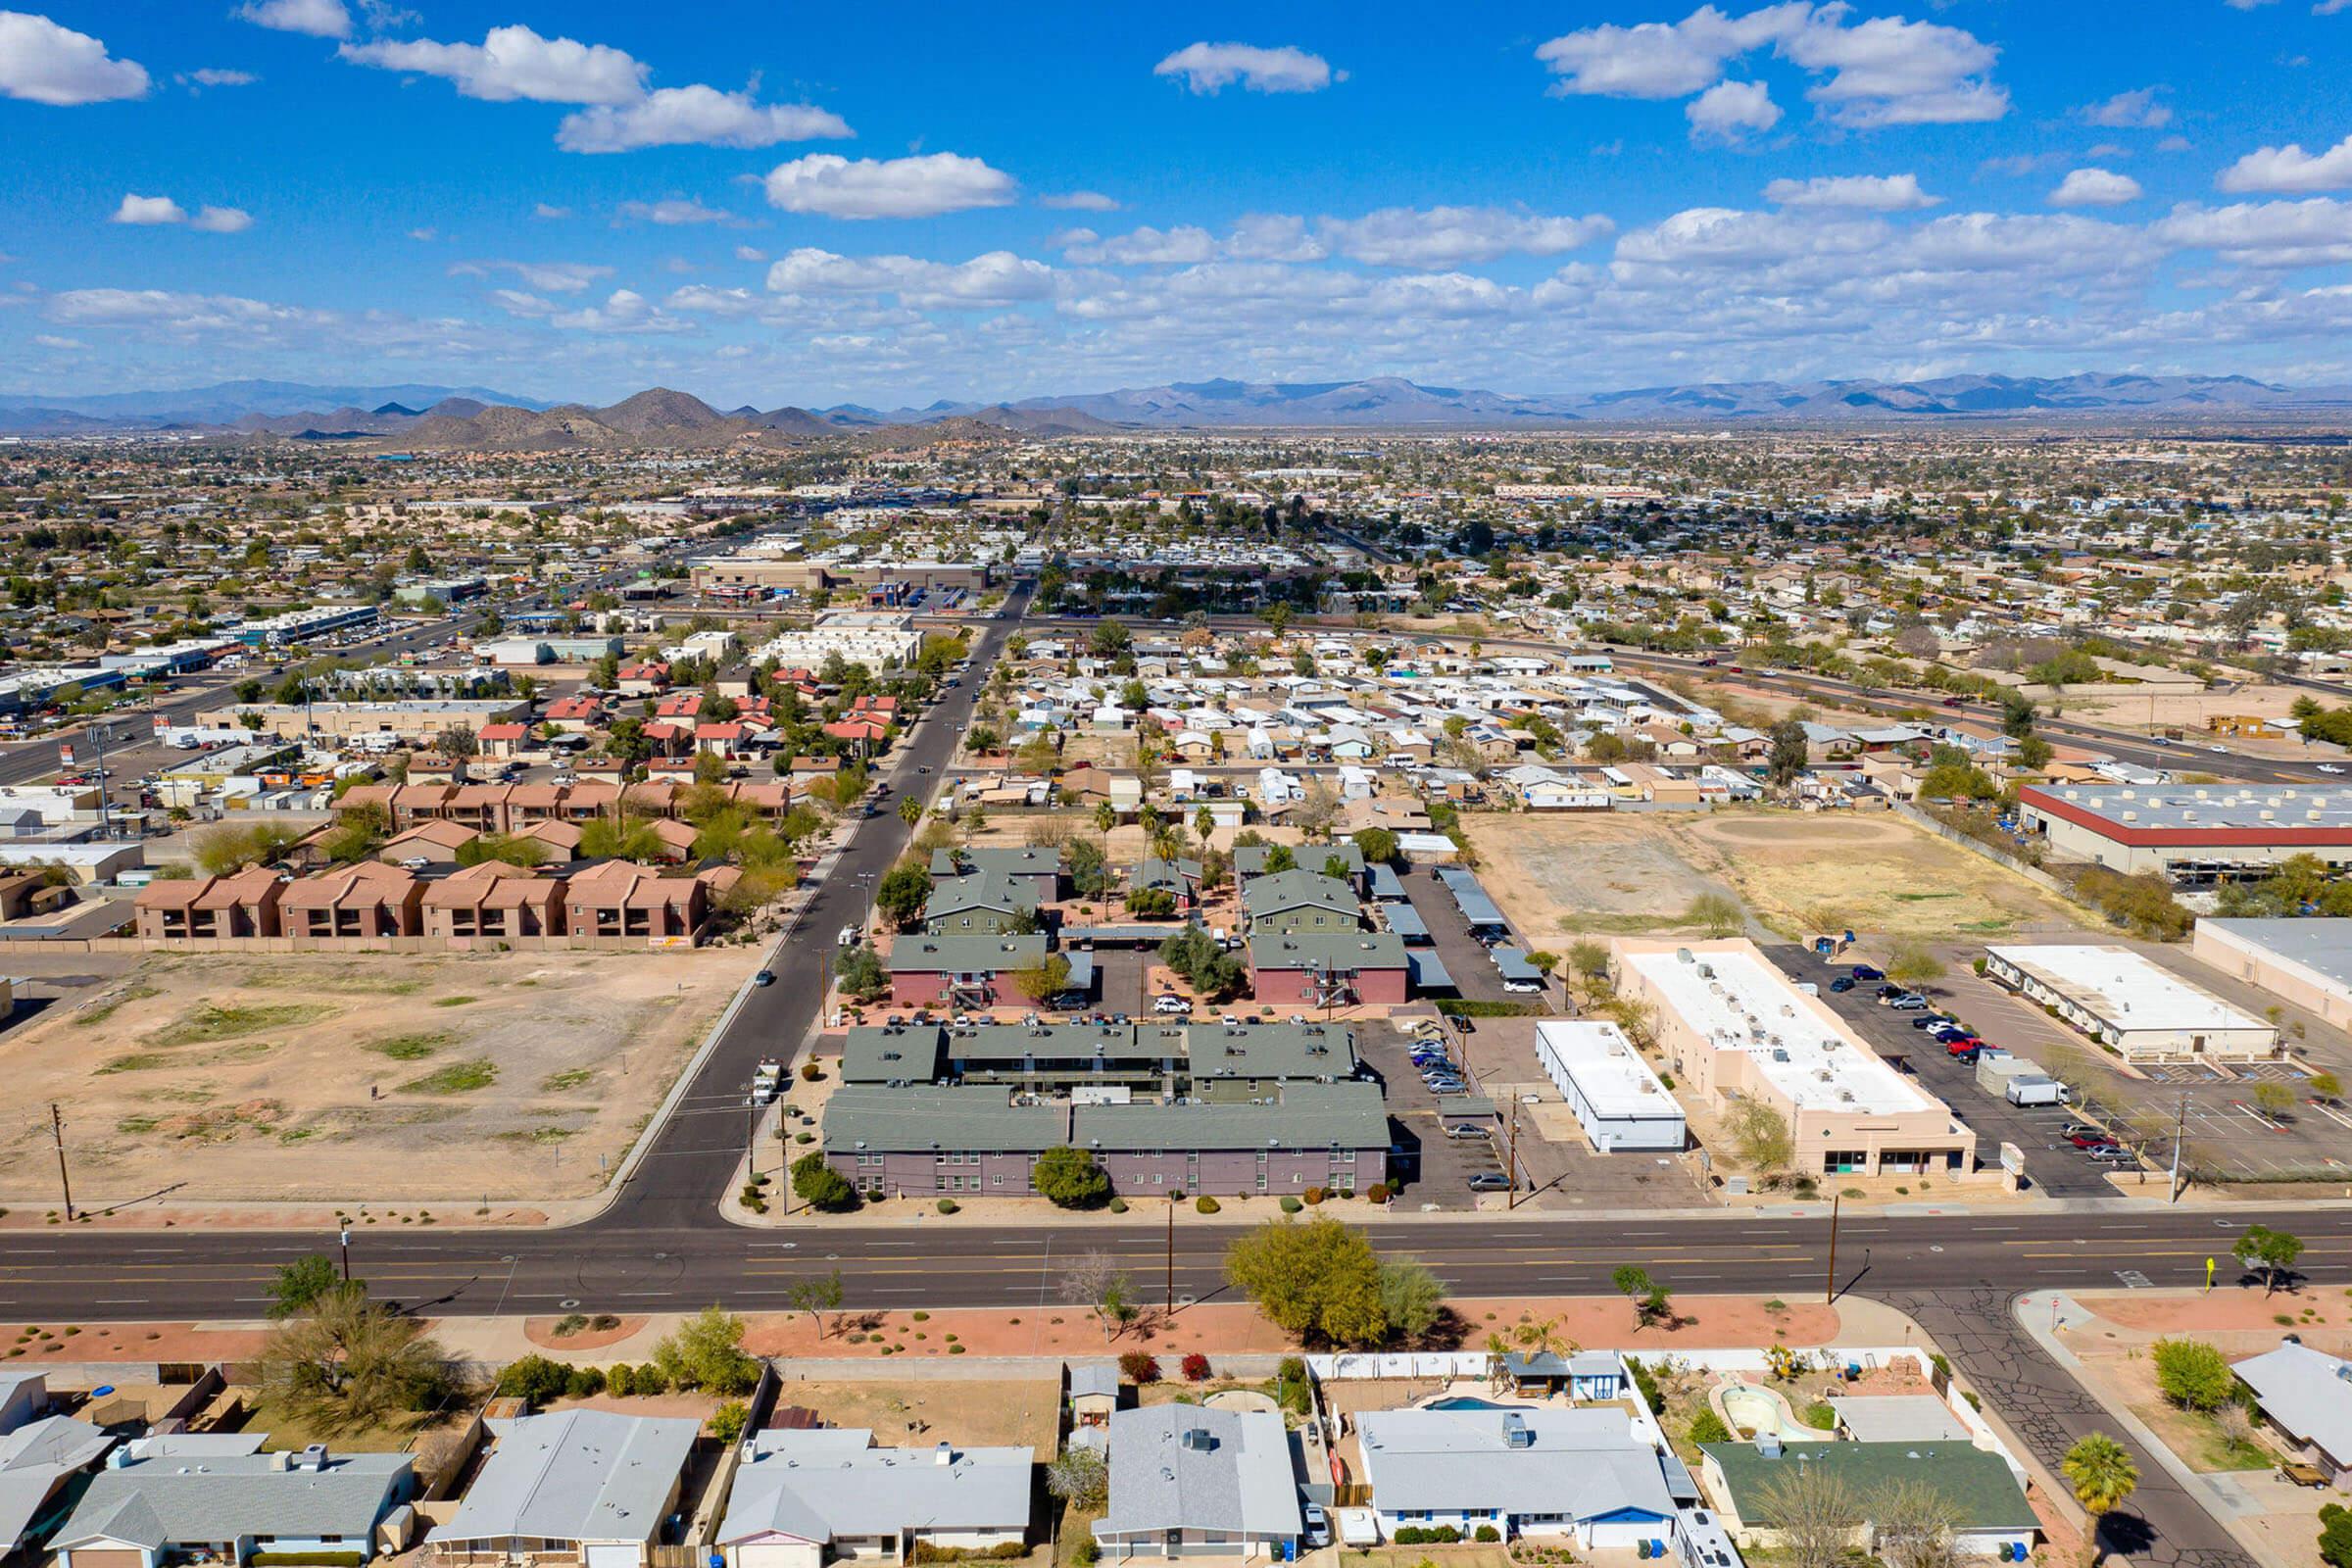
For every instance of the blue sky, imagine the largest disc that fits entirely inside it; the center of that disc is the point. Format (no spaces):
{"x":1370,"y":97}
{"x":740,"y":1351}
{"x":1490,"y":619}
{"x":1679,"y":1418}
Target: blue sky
{"x":777,"y":203}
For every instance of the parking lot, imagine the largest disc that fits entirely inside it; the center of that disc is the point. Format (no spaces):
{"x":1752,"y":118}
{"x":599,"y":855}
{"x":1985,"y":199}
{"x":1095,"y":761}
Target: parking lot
{"x":1465,"y":958}
{"x":1439,"y":1168}
{"x":2216,"y":1105}
{"x":2052,"y":1164}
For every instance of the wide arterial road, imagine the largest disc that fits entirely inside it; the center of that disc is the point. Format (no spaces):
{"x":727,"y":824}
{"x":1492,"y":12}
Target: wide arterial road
{"x":666,"y":1249}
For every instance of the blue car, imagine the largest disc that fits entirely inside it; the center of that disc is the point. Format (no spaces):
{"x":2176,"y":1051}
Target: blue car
{"x":1843,"y":983}
{"x":1863,"y":971}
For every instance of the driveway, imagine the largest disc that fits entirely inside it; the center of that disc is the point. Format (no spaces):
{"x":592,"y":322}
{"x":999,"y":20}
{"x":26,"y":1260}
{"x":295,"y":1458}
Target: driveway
{"x":1465,"y":958}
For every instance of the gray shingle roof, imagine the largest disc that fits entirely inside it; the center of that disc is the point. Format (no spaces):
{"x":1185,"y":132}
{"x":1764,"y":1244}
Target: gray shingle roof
{"x":1330,"y":950}
{"x":158,"y":1501}
{"x":919,"y":954}
{"x":574,"y":1475}
{"x":1977,"y":1485}
{"x":826,"y":1483}
{"x":1238,"y":1478}
{"x":1295,"y":888}
{"x":1584,"y":1462}
{"x":2307,"y":1392}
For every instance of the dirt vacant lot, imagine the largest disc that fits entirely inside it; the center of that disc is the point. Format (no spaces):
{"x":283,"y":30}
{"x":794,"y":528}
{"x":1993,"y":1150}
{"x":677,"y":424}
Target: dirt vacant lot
{"x":1627,"y":872}
{"x":916,"y":1414}
{"x":354,"y":1077}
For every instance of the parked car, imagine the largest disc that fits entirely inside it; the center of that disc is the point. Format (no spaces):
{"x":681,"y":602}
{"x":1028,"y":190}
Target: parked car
{"x":1933,"y":1021}
{"x":2114,"y":1154}
{"x":1523,"y":988}
{"x":1318,"y":1527}
{"x":1965,"y":1047}
{"x":2073,"y":1127}
{"x":1843,"y":982}
{"x":1863,"y":971}
{"x":1169,"y":1002}
{"x":2091,"y":1139}
{"x":1909,"y":1001}
{"x":1887,"y":992}
{"x":1489,"y":1181}
{"x":1463,"y":1128}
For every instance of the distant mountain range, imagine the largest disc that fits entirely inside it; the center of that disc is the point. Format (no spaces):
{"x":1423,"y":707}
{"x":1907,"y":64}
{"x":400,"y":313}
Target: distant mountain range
{"x":478,"y":419}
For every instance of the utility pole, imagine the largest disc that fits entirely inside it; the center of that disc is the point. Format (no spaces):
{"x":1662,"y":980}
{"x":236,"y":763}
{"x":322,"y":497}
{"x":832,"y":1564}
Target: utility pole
{"x":56,"y":1130}
{"x":346,"y":1239}
{"x":1511,"y":1156}
{"x":1172,"y":1258}
{"x":1829,"y":1291}
{"x":2179,"y":1130}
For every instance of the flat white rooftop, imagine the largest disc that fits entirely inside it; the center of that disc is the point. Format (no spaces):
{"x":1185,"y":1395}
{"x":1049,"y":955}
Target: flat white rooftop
{"x":1740,"y":1002}
{"x":1614,"y":1079}
{"x":2124,"y":989}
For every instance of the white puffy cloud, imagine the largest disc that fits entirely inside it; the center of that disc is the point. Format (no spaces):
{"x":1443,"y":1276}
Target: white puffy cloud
{"x":144,"y":210}
{"x":548,"y":210}
{"x":1449,"y":236}
{"x":2264,"y":235}
{"x":1886,"y":71}
{"x":1145,"y":247}
{"x":672,"y":213}
{"x":172,"y":311}
{"x":319,"y":18}
{"x":998,"y":277}
{"x":1874,"y":193}
{"x":1210,"y":68}
{"x":222,"y":219}
{"x":210,"y":77}
{"x":1079,"y":201}
{"x":553,"y":278}
{"x":623,"y":310}
{"x":922,"y":186}
{"x":1273,"y":237}
{"x":750,"y":253}
{"x":2136,"y":110}
{"x":43,"y":62}
{"x":698,"y":116}
{"x":514,"y":62}
{"x":2291,"y":169}
{"x":1730,"y":110}
{"x":2095,"y":187}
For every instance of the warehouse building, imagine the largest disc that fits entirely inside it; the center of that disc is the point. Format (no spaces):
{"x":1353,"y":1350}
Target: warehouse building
{"x":1734,"y":1026}
{"x":1618,"y":1101}
{"x":2194,"y":835}
{"x":2305,"y":963}
{"x":2137,"y":1008}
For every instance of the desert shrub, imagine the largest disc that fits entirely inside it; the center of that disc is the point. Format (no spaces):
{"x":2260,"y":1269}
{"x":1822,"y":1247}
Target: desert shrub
{"x":1708,"y":1426}
{"x":1139,"y":1367}
{"x":1195,"y":1366}
{"x":1206,"y":1205}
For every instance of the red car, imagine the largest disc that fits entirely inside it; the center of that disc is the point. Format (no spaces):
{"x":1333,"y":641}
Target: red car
{"x":1963,"y":1045}
{"x":2091,"y":1141}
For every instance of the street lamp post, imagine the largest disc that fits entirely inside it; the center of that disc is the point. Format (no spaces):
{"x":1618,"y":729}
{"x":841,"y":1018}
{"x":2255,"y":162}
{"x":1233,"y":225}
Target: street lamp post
{"x":344,"y":1237}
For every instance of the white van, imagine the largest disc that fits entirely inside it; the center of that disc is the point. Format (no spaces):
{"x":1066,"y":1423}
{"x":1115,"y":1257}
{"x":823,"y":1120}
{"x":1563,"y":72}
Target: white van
{"x":848,"y":936}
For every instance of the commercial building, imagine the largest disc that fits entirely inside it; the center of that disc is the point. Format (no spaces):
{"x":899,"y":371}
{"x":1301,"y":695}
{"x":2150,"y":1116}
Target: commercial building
{"x":1576,"y":1476}
{"x":2193,"y":835}
{"x":930,"y":1140}
{"x":2305,"y":963}
{"x":877,"y":639}
{"x":2135,"y":1007}
{"x":305,"y":626}
{"x":418,"y":722}
{"x":1734,"y":1026}
{"x":1618,"y":1101}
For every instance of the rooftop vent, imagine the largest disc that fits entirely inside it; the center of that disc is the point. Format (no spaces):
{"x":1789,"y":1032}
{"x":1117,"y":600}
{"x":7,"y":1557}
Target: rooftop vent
{"x":1197,"y":1440}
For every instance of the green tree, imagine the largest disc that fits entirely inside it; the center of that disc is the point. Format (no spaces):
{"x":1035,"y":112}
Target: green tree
{"x":2103,"y":1475}
{"x":910,"y":810}
{"x":706,"y":1352}
{"x":1411,"y":1298}
{"x":344,"y":1363}
{"x":905,"y":890}
{"x":1789,"y":753}
{"x":820,"y":1185}
{"x":1069,"y":1178}
{"x":2193,"y":1375}
{"x":2335,"y":1535}
{"x":1048,"y":978}
{"x":1718,"y":914}
{"x":816,"y":1294}
{"x":298,"y":1283}
{"x":1914,"y":966}
{"x":861,"y":973}
{"x":2272,"y":1251}
{"x":1377,"y":845}
{"x":1319,"y":1281}
{"x":1760,"y":1135}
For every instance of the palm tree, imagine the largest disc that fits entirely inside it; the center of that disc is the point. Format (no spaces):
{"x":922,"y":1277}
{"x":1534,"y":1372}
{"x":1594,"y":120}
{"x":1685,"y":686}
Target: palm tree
{"x":2102,"y":1474}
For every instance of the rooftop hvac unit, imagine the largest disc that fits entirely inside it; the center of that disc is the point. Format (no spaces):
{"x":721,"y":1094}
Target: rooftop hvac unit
{"x":1684,"y":955}
{"x":1706,"y":972}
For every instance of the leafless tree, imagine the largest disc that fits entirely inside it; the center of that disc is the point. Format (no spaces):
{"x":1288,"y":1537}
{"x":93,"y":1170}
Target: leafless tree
{"x":1096,"y":1282}
{"x":1914,"y":1525}
{"x":1814,"y":1513}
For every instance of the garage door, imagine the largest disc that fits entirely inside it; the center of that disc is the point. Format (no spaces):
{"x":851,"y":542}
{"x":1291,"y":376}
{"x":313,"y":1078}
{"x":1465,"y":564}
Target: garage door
{"x":778,"y":1555}
{"x":105,"y":1558}
{"x":614,"y":1554}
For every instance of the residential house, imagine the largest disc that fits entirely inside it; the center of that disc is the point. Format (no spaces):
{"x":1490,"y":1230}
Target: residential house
{"x":1192,"y":1480}
{"x":176,"y":1499}
{"x":2306,"y":1397}
{"x":1040,"y":868}
{"x":1334,"y":970}
{"x":494,"y":901}
{"x":585,"y":1487}
{"x":1579,"y":1475}
{"x":1988,"y":1503}
{"x":803,"y":1497}
{"x":368,"y":899}
{"x":40,"y":1456}
{"x":211,"y":908}
{"x":628,"y":905}
{"x":957,"y":971}
{"x":979,"y":903}
{"x":1297,"y":901}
